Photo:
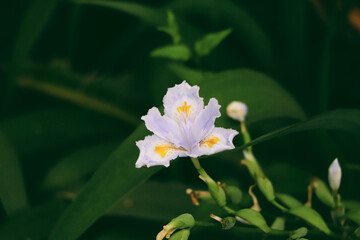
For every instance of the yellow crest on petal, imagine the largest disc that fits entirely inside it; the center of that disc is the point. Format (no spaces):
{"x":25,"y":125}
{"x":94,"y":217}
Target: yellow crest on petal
{"x":210,"y":141}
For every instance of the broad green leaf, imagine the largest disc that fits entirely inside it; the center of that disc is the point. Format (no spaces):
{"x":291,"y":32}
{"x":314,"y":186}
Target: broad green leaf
{"x":310,"y":216}
{"x":147,"y":14}
{"x":278,"y":224}
{"x":288,"y":200}
{"x":323,"y":193}
{"x":76,"y":166}
{"x":174,"y":52}
{"x":254,"y":218}
{"x":172,"y":28}
{"x":116,"y":177}
{"x":12,"y":188}
{"x":266,"y":187}
{"x":253,"y":88}
{"x":210,"y":41}
{"x":354,"y":215}
{"x":32,"y":223}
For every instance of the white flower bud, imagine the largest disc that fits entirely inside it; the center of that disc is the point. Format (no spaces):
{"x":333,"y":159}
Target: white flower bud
{"x":335,"y":175}
{"x":237,"y":110}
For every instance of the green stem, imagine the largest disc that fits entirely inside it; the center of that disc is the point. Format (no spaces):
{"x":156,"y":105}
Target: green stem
{"x":246,"y":136}
{"x":279,"y":206}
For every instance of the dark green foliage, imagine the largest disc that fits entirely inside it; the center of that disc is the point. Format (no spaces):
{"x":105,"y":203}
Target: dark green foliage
{"x":76,"y":77}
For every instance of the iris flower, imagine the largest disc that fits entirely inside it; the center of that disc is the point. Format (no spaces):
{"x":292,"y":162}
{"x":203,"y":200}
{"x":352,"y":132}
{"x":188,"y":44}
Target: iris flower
{"x":185,"y":130}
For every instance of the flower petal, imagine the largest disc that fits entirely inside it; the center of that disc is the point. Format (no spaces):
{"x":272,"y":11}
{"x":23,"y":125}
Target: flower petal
{"x":218,"y":140}
{"x":163,"y":126}
{"x":155,"y":151}
{"x":204,"y":122}
{"x":183,"y":102}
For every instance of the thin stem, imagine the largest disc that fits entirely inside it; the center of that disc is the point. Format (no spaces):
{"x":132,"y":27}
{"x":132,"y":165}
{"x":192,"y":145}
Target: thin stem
{"x":279,"y":206}
{"x":196,"y":163}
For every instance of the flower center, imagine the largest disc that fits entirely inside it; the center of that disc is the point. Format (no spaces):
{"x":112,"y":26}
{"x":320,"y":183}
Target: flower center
{"x":184,"y":111}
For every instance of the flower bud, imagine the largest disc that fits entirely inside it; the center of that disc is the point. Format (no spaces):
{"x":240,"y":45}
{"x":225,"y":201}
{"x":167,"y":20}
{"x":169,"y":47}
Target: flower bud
{"x":237,"y":110}
{"x":185,"y":220}
{"x":266,"y":187}
{"x":181,"y":235}
{"x":234,"y":194}
{"x":299,"y":233}
{"x":335,"y":175}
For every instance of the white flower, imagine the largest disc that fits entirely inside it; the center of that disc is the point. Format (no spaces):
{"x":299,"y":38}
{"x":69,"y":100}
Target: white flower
{"x":186,"y":128}
{"x":335,"y":175}
{"x":237,"y":110}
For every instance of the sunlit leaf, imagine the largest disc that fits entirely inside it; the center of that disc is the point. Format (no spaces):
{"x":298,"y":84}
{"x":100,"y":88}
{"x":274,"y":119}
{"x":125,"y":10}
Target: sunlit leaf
{"x":310,"y":216}
{"x":210,"y":41}
{"x":253,"y":217}
{"x":12,"y":189}
{"x":175,"y":52}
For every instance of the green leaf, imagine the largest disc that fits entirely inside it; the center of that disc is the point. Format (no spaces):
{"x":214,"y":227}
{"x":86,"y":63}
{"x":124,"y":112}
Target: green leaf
{"x":298,"y":233}
{"x":147,"y":14}
{"x":116,"y":177}
{"x":210,"y":41}
{"x":32,"y":223}
{"x":76,"y":166}
{"x":266,"y":187}
{"x":288,"y":200}
{"x":253,"y":217}
{"x":172,"y":28}
{"x":354,"y":215}
{"x":310,"y":216}
{"x":278,"y":224}
{"x":174,"y":52}
{"x":323,"y":193}
{"x":12,"y":188}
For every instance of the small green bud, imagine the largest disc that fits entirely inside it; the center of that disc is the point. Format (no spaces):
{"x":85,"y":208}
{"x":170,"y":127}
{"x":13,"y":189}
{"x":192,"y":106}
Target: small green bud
{"x":299,"y":233}
{"x":323,"y":192}
{"x":185,"y":220}
{"x":234,"y":193}
{"x":181,"y":235}
{"x":228,"y":222}
{"x":217,"y":193}
{"x":266,"y":187}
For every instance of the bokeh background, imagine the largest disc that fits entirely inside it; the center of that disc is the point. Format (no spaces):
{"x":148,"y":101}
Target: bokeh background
{"x":76,"y":76}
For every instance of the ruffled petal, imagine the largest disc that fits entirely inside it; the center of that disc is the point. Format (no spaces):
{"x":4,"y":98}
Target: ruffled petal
{"x":182,"y":102}
{"x":205,"y":121}
{"x":163,"y":126}
{"x":220,"y":139}
{"x":156,"y":151}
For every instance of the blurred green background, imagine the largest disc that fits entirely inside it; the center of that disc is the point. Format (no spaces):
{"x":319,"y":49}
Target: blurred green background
{"x":76,"y":76}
